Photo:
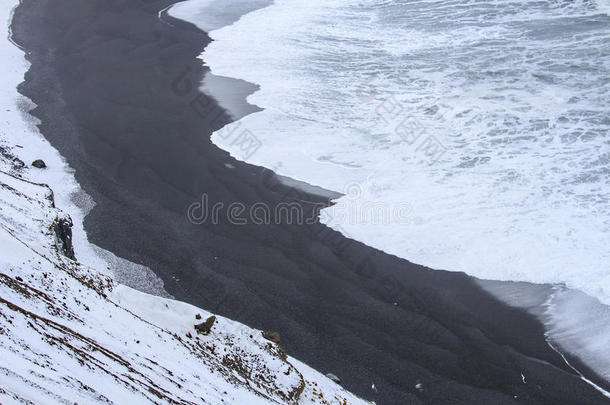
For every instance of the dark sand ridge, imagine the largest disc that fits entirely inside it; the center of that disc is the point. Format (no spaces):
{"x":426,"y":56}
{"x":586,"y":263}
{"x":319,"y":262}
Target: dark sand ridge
{"x":116,"y":90}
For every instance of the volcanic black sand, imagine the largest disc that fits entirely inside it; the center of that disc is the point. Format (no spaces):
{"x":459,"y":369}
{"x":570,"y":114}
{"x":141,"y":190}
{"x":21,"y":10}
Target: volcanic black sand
{"x":116,"y":90}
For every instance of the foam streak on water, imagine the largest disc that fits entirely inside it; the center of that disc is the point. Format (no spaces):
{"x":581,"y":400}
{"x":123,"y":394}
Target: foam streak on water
{"x":514,"y":96}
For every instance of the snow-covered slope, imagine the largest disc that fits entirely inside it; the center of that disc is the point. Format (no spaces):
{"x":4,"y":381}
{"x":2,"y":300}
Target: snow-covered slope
{"x":69,"y":333}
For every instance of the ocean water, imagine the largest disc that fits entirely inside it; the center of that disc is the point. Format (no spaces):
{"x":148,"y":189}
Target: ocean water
{"x":466,"y":135}
{"x":514,"y":95}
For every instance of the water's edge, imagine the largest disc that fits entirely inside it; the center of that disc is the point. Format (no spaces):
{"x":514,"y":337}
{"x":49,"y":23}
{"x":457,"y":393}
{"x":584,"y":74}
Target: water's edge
{"x":537,"y":299}
{"x":202,"y":267}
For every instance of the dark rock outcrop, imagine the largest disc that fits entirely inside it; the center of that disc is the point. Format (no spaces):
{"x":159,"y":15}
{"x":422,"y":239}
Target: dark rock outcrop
{"x":205,"y":327}
{"x":39,"y":163}
{"x":63,"y":233}
{"x":17,"y":163}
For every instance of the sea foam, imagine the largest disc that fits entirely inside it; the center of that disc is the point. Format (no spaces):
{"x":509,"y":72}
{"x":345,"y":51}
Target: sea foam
{"x":488,"y":121}
{"x":516,"y":96}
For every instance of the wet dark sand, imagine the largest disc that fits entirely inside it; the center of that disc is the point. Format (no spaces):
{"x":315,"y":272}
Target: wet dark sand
{"x":117,"y":95}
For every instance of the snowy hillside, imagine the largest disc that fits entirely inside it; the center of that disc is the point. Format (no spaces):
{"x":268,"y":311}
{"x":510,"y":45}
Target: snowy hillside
{"x":69,"y":333}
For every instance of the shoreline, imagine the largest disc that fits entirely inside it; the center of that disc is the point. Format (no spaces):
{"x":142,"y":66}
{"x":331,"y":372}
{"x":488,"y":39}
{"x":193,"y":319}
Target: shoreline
{"x":232,"y":93}
{"x":352,"y":285}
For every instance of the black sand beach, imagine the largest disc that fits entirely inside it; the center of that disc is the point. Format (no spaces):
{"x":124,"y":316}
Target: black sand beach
{"x":116,"y":90}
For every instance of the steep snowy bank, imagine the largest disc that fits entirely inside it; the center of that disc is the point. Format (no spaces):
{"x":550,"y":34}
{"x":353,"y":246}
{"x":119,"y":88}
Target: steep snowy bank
{"x":69,"y":333}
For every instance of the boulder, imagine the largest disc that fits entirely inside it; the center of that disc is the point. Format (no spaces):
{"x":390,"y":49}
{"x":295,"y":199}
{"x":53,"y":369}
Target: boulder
{"x":205,"y":327}
{"x":39,"y":163}
{"x":63,"y":234}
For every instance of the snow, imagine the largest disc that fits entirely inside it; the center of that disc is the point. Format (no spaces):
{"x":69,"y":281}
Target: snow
{"x":69,"y":333}
{"x":20,"y":128}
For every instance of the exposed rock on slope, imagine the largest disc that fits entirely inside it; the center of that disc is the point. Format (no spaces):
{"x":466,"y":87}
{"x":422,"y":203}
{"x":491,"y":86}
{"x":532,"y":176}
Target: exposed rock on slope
{"x":69,"y":334}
